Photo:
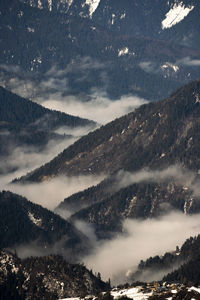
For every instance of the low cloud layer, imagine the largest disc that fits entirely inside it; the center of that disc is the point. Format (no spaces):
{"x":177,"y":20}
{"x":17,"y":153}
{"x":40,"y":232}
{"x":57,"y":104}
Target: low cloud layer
{"x":149,"y":66}
{"x":176,"y":173}
{"x":115,"y":259}
{"x":54,"y":91}
{"x":50,"y":193}
{"x":35,"y":249}
{"x":188,"y":61}
{"x":27,"y":158}
{"x":100,"y":109}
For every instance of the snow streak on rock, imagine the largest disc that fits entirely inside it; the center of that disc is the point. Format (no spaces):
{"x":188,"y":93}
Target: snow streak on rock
{"x":37,"y":222}
{"x":93,"y":4}
{"x":176,"y":14}
{"x":50,"y":4}
{"x":123,"y":51}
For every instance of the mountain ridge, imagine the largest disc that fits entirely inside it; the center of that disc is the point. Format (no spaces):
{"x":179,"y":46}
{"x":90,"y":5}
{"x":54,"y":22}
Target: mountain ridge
{"x":27,"y":125}
{"x":138,"y":133}
{"x":27,"y":225}
{"x":47,"y":277}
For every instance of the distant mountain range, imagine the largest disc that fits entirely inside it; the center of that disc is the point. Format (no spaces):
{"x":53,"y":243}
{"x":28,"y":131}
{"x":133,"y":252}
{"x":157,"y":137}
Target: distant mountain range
{"x":83,"y":47}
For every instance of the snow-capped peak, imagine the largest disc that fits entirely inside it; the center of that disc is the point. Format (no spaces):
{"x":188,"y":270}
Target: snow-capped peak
{"x":176,"y":14}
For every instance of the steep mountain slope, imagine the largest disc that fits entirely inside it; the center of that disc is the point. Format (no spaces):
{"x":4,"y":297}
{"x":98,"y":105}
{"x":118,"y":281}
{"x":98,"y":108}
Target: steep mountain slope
{"x":22,"y":112}
{"x":161,"y":19}
{"x":49,"y":277}
{"x":156,"y":135}
{"x":31,"y":226}
{"x":138,"y":201}
{"x":88,"y":197}
{"x":87,"y":56}
{"x":169,"y":20}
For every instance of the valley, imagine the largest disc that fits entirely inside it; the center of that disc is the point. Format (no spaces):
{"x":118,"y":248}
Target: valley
{"x":99,"y":149}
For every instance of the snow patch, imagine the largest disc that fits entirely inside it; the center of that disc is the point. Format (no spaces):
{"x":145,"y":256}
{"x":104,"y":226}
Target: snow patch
{"x":111,"y":138}
{"x":194,"y":289}
{"x":30,"y":29}
{"x":20,"y":14}
{"x":133,"y":293}
{"x":70,"y":299}
{"x":50,"y":4}
{"x":168,"y":65}
{"x":32,"y":3}
{"x":69,"y":3}
{"x":123,"y":16}
{"x":40,"y":4}
{"x":197,"y":98}
{"x":123,"y":51}
{"x":93,"y":4}
{"x":37,"y":222}
{"x":113,"y":19}
{"x":176,"y":14}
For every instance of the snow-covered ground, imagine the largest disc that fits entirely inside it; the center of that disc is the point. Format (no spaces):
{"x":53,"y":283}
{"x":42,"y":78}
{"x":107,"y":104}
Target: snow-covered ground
{"x":136,"y":293}
{"x":132,"y":293}
{"x":194,"y":289}
{"x":175,"y":15}
{"x":93,"y":4}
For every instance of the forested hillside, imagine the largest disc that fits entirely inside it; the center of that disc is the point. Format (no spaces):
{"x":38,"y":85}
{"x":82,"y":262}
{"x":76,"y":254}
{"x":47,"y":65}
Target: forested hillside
{"x":47,"y":277}
{"x":153,"y":136}
{"x":31,"y":226}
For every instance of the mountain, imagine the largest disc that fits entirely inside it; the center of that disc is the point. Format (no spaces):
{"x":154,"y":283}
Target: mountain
{"x":168,"y":19}
{"x":108,"y":204}
{"x":24,"y":123}
{"x":138,"y":201}
{"x":69,"y":52}
{"x":47,"y":277}
{"x":156,"y":135}
{"x":184,"y":262}
{"x":25,"y":225}
{"x":50,"y":277}
{"x":23,"y":112}
{"x":152,"y":156}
